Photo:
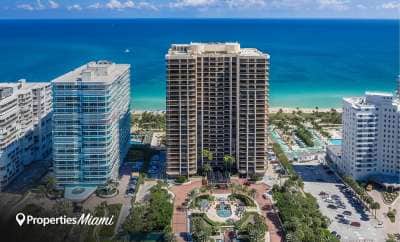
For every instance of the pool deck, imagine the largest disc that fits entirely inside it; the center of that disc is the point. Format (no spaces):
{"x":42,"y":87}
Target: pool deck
{"x":180,"y":221}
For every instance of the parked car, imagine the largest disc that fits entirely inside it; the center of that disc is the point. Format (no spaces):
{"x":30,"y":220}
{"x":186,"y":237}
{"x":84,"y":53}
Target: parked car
{"x":355,"y":224}
{"x":339,"y":216}
{"x":379,"y":225}
{"x":331,"y":206}
{"x":344,"y":221}
{"x":347,"y":213}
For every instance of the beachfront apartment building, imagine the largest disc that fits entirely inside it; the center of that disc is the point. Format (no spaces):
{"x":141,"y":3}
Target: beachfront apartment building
{"x":217,"y":100}
{"x":91,"y":123}
{"x":371,"y":137}
{"x":25,"y":127}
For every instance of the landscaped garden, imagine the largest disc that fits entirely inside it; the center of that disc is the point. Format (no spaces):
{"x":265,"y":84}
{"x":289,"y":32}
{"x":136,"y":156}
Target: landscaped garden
{"x":107,"y":231}
{"x":153,"y":216}
{"x":389,"y":197}
{"x":237,"y":213}
{"x":299,"y":213}
{"x":250,"y":227}
{"x":107,"y":191}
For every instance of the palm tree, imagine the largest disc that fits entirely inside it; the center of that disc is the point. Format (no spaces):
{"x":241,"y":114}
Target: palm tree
{"x":206,"y":169}
{"x":375,"y":206}
{"x":42,"y":191}
{"x":369,"y":200}
{"x":51,"y":183}
{"x":228,"y":162}
{"x":253,"y":193}
{"x":233,"y":187}
{"x":207,"y":154}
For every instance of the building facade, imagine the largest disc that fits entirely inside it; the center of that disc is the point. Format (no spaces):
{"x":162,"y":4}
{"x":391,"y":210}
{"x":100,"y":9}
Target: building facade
{"x":217,"y":100}
{"x":371,"y":138}
{"x":91,"y":123}
{"x":25,"y":127}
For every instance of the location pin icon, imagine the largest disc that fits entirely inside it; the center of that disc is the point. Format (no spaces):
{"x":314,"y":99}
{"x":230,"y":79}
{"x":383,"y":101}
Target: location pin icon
{"x":20,"y":217}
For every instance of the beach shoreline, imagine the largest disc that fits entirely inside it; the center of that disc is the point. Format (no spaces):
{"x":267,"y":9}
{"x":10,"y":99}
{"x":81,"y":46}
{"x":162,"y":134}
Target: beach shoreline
{"x":271,"y":110}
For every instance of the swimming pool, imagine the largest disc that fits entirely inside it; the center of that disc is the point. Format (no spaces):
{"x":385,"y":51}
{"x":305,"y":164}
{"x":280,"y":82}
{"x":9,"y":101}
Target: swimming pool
{"x":335,"y":141}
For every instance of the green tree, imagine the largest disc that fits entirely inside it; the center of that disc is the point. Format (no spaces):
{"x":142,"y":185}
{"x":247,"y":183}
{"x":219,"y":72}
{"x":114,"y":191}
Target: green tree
{"x":375,"y":206}
{"x":207,"y":154}
{"x":253,"y":193}
{"x":200,"y":231}
{"x":256,"y":231}
{"x":369,"y":200}
{"x":51,"y":183}
{"x":136,"y":222}
{"x":206,"y":169}
{"x":229,"y":160}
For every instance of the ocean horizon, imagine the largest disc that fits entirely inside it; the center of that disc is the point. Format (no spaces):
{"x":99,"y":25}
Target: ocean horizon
{"x":314,"y":62}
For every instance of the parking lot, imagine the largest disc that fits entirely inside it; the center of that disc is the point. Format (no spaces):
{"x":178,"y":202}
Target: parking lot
{"x":339,"y":204}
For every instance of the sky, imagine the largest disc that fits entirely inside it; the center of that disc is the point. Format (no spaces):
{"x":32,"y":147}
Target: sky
{"x":39,"y":9}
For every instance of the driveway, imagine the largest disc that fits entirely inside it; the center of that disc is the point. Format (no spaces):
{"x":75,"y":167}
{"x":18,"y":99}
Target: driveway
{"x":389,"y":227}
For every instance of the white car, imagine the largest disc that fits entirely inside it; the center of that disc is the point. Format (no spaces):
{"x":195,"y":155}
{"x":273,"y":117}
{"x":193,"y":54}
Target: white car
{"x":379,"y":225}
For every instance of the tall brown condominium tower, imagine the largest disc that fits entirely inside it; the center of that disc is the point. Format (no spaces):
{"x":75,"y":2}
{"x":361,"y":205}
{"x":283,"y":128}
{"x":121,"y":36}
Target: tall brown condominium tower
{"x":217,"y":99}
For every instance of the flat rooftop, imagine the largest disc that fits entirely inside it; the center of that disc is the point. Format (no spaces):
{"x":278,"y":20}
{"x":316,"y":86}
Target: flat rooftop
{"x":96,"y":71}
{"x":227,"y":48}
{"x":8,"y":89}
{"x":371,"y":99}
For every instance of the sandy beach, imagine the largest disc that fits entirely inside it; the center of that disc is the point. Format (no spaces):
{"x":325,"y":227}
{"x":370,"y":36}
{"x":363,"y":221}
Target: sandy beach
{"x":304,"y":110}
{"x":271,"y":110}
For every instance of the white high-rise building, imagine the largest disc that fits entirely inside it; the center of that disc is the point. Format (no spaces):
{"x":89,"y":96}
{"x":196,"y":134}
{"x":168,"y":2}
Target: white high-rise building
{"x":371,"y":138}
{"x":25,"y":126}
{"x":91,"y":123}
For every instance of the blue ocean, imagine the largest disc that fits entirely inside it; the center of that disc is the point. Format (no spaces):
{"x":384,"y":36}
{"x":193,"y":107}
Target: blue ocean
{"x":313,"y":62}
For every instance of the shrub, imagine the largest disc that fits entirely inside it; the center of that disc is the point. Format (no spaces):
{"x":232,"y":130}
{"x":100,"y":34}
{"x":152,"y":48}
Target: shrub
{"x":305,"y":135}
{"x":181,"y":179}
{"x":247,"y":201}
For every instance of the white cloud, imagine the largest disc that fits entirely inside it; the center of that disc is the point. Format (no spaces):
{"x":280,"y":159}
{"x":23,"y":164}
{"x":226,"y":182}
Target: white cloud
{"x":121,"y":5}
{"x":245,"y":3}
{"x":361,"y":6}
{"x":39,"y":5}
{"x":339,"y":5}
{"x":95,"y":6}
{"x":391,"y":5}
{"x":192,"y":3}
{"x":75,"y":7}
{"x":25,"y":6}
{"x":291,"y":4}
{"x":53,"y":4}
{"x":146,"y":5}
{"x":115,"y":4}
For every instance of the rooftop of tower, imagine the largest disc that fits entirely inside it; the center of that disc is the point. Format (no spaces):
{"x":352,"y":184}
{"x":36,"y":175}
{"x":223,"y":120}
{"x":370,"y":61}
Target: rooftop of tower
{"x":227,"y":48}
{"x":9,"y":88}
{"x":371,"y":99}
{"x":95,"y":71}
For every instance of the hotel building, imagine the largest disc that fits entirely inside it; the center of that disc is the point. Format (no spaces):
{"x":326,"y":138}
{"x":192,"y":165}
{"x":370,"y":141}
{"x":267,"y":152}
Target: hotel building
{"x":25,"y":127}
{"x":217,"y":99}
{"x":91,"y":123}
{"x":371,"y":138}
